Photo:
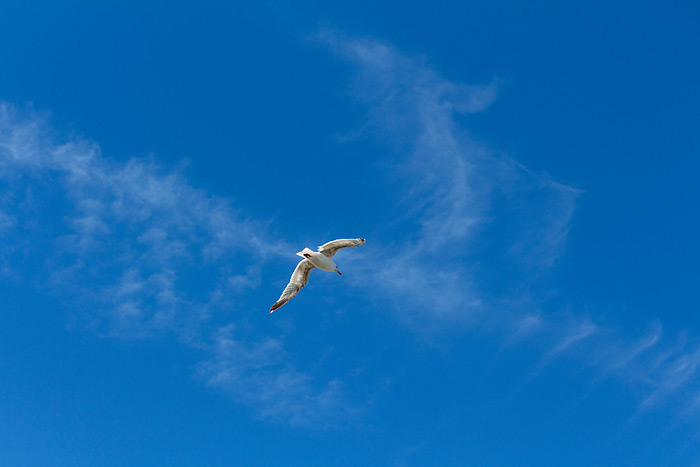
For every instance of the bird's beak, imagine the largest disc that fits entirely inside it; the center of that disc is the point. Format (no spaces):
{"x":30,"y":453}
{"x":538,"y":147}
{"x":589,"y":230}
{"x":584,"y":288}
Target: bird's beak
{"x":339,"y":272}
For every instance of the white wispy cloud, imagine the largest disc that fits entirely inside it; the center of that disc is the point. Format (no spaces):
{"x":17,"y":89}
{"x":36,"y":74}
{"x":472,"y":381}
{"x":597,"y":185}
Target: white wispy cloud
{"x":116,"y":226}
{"x":461,"y":195}
{"x":662,"y":372}
{"x":453,"y":189}
{"x":263,"y":376}
{"x":136,"y":251}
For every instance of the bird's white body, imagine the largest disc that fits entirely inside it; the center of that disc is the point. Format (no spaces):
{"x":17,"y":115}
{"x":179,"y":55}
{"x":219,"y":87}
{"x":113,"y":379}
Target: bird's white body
{"x":319,"y":260}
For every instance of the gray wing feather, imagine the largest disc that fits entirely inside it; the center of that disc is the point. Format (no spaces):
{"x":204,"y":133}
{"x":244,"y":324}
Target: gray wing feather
{"x":299,"y":279}
{"x":329,"y":249}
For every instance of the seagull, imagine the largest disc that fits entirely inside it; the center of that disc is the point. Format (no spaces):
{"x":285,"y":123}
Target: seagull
{"x":322,"y":259}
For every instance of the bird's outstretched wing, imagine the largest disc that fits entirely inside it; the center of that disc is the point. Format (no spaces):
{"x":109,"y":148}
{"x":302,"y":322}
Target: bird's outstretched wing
{"x":299,"y":279}
{"x":329,"y":249}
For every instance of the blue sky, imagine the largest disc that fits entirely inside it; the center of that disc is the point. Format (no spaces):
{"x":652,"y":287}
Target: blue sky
{"x":525,"y":176}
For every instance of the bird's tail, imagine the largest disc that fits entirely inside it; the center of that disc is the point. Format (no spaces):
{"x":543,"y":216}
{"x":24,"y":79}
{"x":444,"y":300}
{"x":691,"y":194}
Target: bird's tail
{"x":305,"y":253}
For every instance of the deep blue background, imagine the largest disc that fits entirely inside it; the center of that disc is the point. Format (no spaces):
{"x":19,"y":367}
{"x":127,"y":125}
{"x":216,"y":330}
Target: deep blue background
{"x":247,"y":102}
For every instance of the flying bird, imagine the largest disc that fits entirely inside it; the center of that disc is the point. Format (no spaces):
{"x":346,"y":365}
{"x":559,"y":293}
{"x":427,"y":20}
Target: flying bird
{"x":322,"y":259}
